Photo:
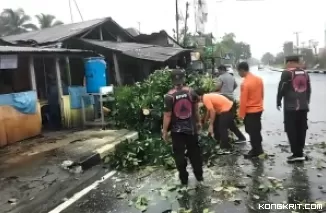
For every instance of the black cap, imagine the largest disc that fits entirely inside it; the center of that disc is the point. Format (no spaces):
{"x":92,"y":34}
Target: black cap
{"x":293,"y":58}
{"x":178,"y":76}
{"x":222,"y":68}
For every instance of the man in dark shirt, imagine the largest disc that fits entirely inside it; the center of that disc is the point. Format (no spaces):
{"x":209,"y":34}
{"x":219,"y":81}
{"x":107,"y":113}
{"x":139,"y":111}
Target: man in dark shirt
{"x":295,"y":89}
{"x":181,"y":117}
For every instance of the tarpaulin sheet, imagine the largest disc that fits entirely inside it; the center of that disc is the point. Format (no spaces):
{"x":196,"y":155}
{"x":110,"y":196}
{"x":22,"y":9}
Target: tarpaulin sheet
{"x":75,"y":94}
{"x":24,"y":102}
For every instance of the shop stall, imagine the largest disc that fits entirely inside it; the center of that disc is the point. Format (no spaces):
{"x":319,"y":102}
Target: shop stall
{"x":34,"y":90}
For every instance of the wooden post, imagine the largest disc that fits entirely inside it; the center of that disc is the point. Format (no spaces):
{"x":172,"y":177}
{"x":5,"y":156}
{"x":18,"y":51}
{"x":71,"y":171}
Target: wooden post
{"x":60,"y":91}
{"x":116,"y":68}
{"x":68,"y":71}
{"x":32,"y":73}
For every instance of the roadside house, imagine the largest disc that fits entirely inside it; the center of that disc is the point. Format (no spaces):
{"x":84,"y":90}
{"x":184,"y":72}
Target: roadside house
{"x":24,"y":89}
{"x":123,"y":67}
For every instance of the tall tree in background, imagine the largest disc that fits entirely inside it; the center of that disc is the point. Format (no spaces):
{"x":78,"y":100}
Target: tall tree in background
{"x":228,"y":40}
{"x":185,"y":37}
{"x":241,"y":51}
{"x":47,"y":20}
{"x":322,"y":59}
{"x":15,"y":22}
{"x":308,"y":57}
{"x":268,"y":58}
{"x":236,"y":50}
{"x":279,"y":58}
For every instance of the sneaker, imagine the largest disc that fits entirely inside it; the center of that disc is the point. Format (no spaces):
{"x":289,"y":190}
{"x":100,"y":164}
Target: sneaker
{"x":296,"y":159}
{"x":201,"y":184}
{"x":289,"y":157}
{"x":182,"y":188}
{"x":248,"y":155}
{"x":251,"y":155}
{"x":240,"y":141}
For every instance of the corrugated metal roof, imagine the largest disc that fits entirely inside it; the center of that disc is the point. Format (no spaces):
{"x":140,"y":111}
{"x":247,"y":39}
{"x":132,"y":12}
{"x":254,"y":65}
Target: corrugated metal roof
{"x":155,"y":53}
{"x":148,"y":38}
{"x":117,"y":46}
{"x":55,"y":34}
{"x":141,"y":51}
{"x":16,"y":49}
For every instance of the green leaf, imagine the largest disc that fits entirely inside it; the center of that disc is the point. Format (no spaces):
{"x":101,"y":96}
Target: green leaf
{"x":207,"y":211}
{"x":150,"y":150}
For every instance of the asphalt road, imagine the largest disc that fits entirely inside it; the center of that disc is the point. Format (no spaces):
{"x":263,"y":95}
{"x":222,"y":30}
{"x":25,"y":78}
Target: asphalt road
{"x":234,"y":184}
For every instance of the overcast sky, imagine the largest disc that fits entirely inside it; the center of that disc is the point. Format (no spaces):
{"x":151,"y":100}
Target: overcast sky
{"x":265,"y":25}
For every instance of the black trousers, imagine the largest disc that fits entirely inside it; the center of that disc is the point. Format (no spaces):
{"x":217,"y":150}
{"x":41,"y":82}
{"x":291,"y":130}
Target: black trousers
{"x":252,"y":122}
{"x":222,"y":124}
{"x":181,"y":143}
{"x":233,"y":127}
{"x":296,"y":125}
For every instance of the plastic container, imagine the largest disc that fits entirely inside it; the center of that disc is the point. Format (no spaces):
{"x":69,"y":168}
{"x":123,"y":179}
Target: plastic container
{"x":95,"y":74}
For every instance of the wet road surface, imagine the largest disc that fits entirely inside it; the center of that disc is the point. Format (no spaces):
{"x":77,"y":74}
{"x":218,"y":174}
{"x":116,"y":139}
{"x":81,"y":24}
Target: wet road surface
{"x":233,"y":183}
{"x":37,"y":182}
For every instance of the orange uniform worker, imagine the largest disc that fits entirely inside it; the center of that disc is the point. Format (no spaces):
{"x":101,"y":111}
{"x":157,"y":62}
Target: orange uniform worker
{"x":251,"y":108}
{"x":220,"y":105}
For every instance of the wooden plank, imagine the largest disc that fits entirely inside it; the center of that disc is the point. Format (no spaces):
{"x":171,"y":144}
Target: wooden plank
{"x":68,"y":70}
{"x":32,"y":73}
{"x":60,"y":91}
{"x":116,"y":69}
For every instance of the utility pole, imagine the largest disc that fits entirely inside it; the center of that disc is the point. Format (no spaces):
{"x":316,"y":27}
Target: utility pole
{"x":297,"y":40}
{"x":71,"y":16}
{"x":186,"y":27}
{"x":177,"y":19}
{"x":138,"y":26}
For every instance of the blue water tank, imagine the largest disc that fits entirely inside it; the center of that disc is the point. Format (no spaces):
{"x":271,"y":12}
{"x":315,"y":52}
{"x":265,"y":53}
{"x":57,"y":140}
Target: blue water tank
{"x":95,"y":74}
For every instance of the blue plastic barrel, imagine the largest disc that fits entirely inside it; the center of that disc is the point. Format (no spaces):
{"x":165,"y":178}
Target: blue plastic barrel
{"x":95,"y":74}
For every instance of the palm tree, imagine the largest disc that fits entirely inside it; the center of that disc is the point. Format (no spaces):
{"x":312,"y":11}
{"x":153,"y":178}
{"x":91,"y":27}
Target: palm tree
{"x":15,"y":22}
{"x":47,"y":20}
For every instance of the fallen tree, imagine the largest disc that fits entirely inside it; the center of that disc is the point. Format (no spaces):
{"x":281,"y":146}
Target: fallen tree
{"x":140,"y":107}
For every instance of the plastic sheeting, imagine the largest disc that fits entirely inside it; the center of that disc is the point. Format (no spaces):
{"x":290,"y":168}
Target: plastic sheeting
{"x":24,"y":102}
{"x":16,"y":126}
{"x":75,"y":94}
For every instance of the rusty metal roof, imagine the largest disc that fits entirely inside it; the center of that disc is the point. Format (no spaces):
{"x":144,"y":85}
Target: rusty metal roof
{"x":140,"y":51}
{"x":57,"y":33}
{"x":17,"y":49}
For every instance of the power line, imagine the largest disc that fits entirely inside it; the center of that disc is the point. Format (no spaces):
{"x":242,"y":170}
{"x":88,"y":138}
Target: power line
{"x":78,"y":10}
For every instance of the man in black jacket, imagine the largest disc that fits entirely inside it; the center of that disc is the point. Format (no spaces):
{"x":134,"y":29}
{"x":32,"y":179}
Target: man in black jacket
{"x":181,"y":117}
{"x":295,"y":89}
